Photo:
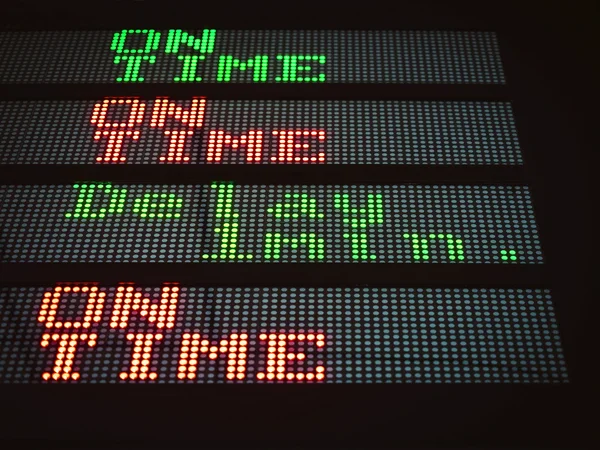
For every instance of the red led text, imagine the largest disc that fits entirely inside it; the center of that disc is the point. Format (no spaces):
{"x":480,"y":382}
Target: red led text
{"x":144,"y":323}
{"x":121,"y":121}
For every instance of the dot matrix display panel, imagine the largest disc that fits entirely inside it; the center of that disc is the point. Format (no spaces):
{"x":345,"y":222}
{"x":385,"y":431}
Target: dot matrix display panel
{"x":126,"y":130}
{"x":172,"y":334}
{"x":86,"y":333}
{"x":250,"y":56}
{"x":224,"y":222}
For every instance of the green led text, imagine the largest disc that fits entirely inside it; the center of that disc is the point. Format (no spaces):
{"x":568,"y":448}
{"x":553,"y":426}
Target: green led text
{"x":420,"y":245}
{"x":307,"y":222}
{"x":136,"y":50}
{"x":228,"y":227}
{"x":114,"y":201}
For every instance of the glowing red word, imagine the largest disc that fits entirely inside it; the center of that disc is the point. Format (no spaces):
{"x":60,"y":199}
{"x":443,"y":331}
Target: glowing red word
{"x":153,"y":320}
{"x":180,"y":125}
{"x":115,"y":132}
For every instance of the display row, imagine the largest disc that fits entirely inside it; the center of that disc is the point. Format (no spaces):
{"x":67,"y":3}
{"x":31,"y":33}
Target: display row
{"x":249,"y":56}
{"x":225,"y":222}
{"x":87,"y":333}
{"x":132,"y":130}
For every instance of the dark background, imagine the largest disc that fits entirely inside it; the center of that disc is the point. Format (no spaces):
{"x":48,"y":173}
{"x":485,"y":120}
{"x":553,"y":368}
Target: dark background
{"x":549,"y":53}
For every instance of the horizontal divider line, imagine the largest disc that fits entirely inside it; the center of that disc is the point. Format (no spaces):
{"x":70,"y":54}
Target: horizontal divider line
{"x":281,"y":274}
{"x":238,"y":91}
{"x":325,"y":174}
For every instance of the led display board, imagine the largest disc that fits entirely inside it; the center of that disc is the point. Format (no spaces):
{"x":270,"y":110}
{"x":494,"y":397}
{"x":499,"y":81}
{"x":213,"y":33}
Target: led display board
{"x":160,"y":130}
{"x":250,"y":56}
{"x":88,"y":333}
{"x":222,"y":222}
{"x":133,"y":129}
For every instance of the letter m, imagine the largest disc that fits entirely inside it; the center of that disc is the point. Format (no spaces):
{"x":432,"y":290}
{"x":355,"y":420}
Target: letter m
{"x":259,"y":66}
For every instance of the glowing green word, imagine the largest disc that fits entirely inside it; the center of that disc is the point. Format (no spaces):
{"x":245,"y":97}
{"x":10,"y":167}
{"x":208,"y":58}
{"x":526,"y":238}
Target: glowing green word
{"x":99,"y":200}
{"x":137,"y":48}
{"x":296,"y":207}
{"x":149,"y":205}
